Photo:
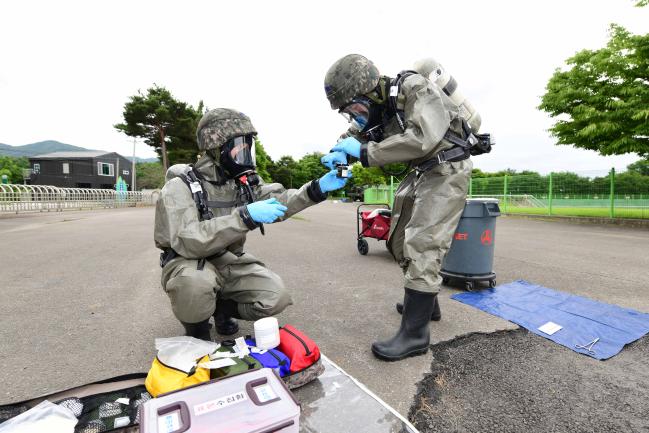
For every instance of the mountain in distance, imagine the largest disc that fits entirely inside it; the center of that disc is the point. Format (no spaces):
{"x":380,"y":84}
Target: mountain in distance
{"x":49,"y":146}
{"x":39,"y":148}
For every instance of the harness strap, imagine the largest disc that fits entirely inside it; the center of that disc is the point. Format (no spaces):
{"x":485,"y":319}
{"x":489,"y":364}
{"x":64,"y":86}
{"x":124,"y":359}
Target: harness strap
{"x":454,"y":154}
{"x":395,"y":90}
{"x":198,"y":193}
{"x":166,"y":256}
{"x":221,"y":204}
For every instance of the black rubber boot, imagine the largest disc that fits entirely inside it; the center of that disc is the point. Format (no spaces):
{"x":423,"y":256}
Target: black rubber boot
{"x":199,"y":330}
{"x":436,"y":316}
{"x":413,"y":336}
{"x":225,"y":310}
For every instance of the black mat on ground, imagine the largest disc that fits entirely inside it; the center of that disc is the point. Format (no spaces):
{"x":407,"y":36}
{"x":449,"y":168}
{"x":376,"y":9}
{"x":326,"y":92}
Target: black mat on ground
{"x":515,"y":381}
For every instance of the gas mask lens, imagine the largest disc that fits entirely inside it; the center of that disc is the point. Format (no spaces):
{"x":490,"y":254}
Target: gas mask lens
{"x":238,"y":155}
{"x":241,"y":150}
{"x":357,"y":113}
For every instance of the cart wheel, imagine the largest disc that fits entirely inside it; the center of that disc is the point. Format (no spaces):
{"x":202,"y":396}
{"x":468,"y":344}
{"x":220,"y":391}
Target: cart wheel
{"x":492,"y":283}
{"x":363,"y":248}
{"x":468,"y":286}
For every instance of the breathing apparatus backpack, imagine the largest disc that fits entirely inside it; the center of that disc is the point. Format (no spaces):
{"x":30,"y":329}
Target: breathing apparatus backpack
{"x":469,"y":142}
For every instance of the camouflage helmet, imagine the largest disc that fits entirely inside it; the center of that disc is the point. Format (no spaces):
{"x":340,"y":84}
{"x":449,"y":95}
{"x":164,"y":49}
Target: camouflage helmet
{"x":350,"y":76}
{"x":218,"y":126}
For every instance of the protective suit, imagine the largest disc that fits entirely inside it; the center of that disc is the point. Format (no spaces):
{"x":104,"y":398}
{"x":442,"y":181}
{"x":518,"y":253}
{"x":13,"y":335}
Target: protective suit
{"x":206,"y":270}
{"x":429,"y":201}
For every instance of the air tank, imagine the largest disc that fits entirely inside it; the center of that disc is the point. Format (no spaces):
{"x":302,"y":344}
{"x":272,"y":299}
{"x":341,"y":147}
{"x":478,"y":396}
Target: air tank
{"x":436,"y":73}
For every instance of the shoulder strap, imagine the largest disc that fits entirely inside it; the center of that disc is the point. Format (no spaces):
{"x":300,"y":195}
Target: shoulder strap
{"x":198,"y":193}
{"x":393,"y":97}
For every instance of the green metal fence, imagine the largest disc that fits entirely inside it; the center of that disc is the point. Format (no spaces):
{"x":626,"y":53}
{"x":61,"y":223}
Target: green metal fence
{"x":611,"y":195}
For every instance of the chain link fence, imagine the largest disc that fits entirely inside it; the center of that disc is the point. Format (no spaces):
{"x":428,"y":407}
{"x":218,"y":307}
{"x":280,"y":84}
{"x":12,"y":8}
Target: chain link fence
{"x":44,"y":198}
{"x":584,"y":194}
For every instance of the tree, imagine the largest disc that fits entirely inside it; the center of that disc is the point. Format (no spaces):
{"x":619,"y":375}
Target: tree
{"x":13,"y":168}
{"x":163,"y":122}
{"x":282,"y":171}
{"x":602,"y":102}
{"x":263,"y":161}
{"x":150,"y":175}
{"x":366,"y":176}
{"x":309,"y":167}
{"x":641,"y":167}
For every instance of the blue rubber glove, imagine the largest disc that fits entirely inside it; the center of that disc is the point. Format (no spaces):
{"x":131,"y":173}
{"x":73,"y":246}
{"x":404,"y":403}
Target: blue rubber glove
{"x":266,"y":211}
{"x":350,"y":146}
{"x":330,"y":160}
{"x":331,"y":181}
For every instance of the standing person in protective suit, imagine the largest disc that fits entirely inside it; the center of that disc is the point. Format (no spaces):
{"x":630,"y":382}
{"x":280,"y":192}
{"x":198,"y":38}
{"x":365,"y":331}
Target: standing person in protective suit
{"x":202,"y":218}
{"x":407,"y":120}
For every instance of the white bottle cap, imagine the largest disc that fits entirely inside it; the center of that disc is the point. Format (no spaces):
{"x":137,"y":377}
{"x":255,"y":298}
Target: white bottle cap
{"x":266,"y":333}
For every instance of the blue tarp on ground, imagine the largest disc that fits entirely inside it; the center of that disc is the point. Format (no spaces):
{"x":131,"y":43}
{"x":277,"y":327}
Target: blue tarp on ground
{"x":583,"y":320}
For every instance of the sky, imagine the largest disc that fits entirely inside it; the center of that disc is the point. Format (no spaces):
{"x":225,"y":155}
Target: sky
{"x":67,"y":68}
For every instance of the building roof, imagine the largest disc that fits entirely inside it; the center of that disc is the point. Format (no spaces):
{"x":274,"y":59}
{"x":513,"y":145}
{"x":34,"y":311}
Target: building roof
{"x":77,"y":154}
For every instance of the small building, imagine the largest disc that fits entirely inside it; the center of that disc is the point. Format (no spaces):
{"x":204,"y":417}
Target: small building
{"x":83,"y":169}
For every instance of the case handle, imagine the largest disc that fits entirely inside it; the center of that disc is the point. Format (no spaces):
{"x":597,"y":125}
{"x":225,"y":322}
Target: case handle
{"x":253,"y":395}
{"x":180,"y":406}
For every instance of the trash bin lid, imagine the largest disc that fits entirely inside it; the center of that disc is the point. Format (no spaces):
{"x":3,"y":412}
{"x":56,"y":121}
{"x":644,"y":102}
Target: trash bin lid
{"x":482,"y":200}
{"x":481,"y":208}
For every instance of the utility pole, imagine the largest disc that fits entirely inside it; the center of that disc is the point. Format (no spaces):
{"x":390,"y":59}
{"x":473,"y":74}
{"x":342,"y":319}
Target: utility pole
{"x":133,"y":169}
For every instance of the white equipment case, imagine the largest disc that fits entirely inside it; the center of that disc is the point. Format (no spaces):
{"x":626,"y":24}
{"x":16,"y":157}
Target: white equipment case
{"x":257,"y":401}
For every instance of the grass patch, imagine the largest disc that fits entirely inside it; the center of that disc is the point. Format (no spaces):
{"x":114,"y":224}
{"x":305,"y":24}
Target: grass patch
{"x":638,"y":213}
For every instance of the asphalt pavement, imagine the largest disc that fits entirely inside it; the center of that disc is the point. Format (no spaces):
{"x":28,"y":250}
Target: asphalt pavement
{"x":81,"y":297}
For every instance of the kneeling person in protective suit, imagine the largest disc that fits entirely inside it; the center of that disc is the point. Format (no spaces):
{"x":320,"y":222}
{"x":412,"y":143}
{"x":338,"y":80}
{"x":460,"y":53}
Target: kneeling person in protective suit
{"x":406,"y":120}
{"x":202,"y":218}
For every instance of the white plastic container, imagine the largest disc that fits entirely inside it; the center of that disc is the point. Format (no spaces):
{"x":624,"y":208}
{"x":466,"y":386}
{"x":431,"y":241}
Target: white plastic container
{"x":257,"y":401}
{"x":267,"y":333}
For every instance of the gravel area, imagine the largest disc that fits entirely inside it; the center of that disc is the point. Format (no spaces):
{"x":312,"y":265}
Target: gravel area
{"x":516,"y":381}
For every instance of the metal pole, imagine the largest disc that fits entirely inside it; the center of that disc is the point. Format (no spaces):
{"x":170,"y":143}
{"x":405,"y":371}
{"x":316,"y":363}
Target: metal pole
{"x":612,"y":191}
{"x":505,"y":193}
{"x":550,"y":196}
{"x":391,"y":198}
{"x":133,"y":188}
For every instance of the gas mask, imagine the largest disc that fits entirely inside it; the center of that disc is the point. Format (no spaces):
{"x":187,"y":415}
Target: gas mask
{"x":238,"y":158}
{"x":365,"y":114}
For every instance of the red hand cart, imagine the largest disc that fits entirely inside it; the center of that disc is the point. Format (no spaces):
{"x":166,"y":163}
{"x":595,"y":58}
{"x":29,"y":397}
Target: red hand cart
{"x":372,"y":224}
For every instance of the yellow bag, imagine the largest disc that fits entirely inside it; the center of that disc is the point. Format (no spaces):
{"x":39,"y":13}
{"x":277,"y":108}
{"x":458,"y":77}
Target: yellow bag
{"x":163,"y":378}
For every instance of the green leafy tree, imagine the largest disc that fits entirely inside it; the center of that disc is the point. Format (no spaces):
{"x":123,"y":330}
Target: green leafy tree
{"x":631,"y":183}
{"x":640,"y":167}
{"x":263,"y":160}
{"x":602,"y":102}
{"x":150,"y":175}
{"x":183,"y":148}
{"x":283,"y":170}
{"x":13,"y":168}
{"x":528,"y":183}
{"x":163,"y":122}
{"x":309,"y":167}
{"x":367,"y":176}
